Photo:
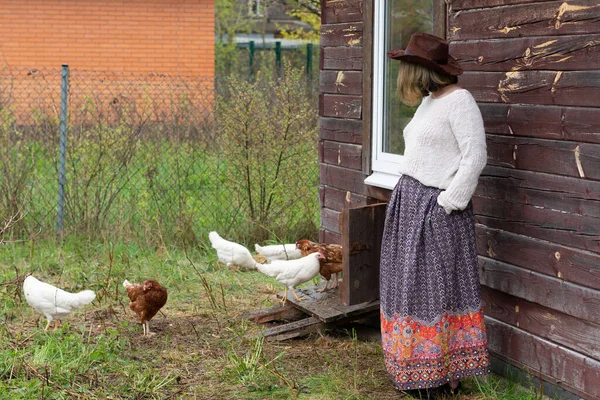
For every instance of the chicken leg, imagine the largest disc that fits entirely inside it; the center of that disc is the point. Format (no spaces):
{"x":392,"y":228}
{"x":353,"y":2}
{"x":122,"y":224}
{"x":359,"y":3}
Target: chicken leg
{"x":296,"y":296}
{"x":324,"y":288}
{"x":284,"y":298}
{"x":335,"y":283}
{"x":147,"y":329}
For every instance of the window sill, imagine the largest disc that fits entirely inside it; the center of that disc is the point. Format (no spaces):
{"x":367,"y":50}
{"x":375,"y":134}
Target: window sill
{"x":382,"y":180}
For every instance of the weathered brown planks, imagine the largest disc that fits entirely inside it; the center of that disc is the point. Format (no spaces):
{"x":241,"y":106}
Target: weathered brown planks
{"x":341,"y":82}
{"x":342,"y":58}
{"x":326,"y":236}
{"x":545,"y":122}
{"x":340,"y":106}
{"x":337,"y":11}
{"x":341,"y":130}
{"x":564,"y":53}
{"x":285,"y":312}
{"x":563,"y":367}
{"x":342,"y":178}
{"x":326,"y":306}
{"x":294,"y":329}
{"x":361,"y":245}
{"x":574,"y":333}
{"x":342,"y":154}
{"x":548,"y":156}
{"x":537,"y":19}
{"x":336,"y":199}
{"x":558,"y":193}
{"x":565,"y":263}
{"x":575,"y":300}
{"x":570,"y":88}
{"x":330,"y":220}
{"x":345,"y":34}
{"x":567,"y":229}
{"x":341,"y":111}
{"x":466,"y":4}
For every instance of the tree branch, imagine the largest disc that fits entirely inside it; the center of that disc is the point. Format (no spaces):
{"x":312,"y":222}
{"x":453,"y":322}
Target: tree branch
{"x":314,"y":6}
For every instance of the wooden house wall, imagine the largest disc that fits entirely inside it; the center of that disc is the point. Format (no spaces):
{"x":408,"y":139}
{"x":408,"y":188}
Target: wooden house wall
{"x":342,"y":110}
{"x":534,"y":68}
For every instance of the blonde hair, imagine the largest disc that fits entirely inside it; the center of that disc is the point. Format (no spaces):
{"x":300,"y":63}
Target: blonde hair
{"x":415,"y":81}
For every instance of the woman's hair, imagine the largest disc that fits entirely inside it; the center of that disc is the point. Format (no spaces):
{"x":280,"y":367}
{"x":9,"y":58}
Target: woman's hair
{"x":415,"y":81}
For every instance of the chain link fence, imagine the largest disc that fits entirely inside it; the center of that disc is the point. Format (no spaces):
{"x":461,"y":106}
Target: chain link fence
{"x":163,"y":159}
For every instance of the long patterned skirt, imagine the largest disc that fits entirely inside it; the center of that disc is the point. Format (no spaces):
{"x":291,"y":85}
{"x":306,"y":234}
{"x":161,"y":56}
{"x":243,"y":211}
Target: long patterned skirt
{"x":431,"y":309}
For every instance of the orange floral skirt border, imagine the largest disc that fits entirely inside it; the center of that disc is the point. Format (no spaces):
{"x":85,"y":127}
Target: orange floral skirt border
{"x":420,"y":356}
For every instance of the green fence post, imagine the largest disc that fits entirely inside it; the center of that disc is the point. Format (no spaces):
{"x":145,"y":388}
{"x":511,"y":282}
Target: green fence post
{"x":278,"y":57}
{"x":309,"y":50}
{"x":251,"y":60}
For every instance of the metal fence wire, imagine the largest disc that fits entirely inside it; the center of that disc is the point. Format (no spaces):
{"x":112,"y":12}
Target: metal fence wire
{"x":158,"y":157}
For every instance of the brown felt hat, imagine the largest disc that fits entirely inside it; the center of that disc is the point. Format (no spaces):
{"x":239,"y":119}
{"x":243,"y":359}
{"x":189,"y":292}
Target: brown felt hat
{"x":429,"y":51}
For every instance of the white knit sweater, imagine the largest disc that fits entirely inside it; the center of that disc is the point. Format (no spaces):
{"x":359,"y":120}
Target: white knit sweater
{"x":445,"y":147}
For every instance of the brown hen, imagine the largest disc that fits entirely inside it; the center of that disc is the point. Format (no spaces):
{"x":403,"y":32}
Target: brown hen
{"x":145,"y":300}
{"x":332,"y":265}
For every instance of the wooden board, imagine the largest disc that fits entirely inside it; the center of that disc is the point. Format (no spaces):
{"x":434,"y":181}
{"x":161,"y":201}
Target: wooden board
{"x":341,"y":130}
{"x":344,"y":34}
{"x":362,"y":230}
{"x":326,"y":236}
{"x":568,"y":298}
{"x":545,"y":122}
{"x":341,"y":11}
{"x":549,"y":18}
{"x":330,"y":219}
{"x":569,"y":88}
{"x":326,"y":306}
{"x":571,"y":230}
{"x":567,"y":195}
{"x":294,"y":329}
{"x":342,"y":178}
{"x":341,"y":82}
{"x":565,"y":263}
{"x":564,"y":53}
{"x":340,"y":106}
{"x":341,"y":154}
{"x":342,"y":58}
{"x":566,"y":368}
{"x":466,"y":4}
{"x":336,"y":199}
{"x":576,"y":334}
{"x":286,"y":312}
{"x":549,"y":156}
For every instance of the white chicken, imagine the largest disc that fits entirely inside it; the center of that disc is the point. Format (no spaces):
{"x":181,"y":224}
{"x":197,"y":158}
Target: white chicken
{"x":231,"y":253}
{"x":53,"y":302}
{"x":279,"y":252}
{"x":292,"y":273}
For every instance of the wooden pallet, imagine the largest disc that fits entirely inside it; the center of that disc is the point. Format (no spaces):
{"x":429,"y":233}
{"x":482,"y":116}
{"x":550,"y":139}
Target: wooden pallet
{"x":320,"y":311}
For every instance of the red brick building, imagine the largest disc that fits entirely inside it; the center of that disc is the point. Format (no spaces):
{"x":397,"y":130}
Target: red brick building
{"x":173,"y":37}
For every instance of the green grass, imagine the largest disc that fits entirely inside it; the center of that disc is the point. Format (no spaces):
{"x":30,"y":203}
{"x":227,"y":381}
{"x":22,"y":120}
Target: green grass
{"x":202,"y":348}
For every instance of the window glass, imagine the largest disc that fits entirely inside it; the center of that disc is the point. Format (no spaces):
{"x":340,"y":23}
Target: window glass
{"x":402,"y":19}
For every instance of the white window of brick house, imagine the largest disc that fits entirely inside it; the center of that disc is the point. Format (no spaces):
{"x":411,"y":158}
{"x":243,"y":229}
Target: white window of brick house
{"x":394,"y":21}
{"x":255,"y":9}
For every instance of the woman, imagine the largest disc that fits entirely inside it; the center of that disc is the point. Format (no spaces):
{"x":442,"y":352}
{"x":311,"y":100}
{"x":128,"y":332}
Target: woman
{"x":432,"y":326}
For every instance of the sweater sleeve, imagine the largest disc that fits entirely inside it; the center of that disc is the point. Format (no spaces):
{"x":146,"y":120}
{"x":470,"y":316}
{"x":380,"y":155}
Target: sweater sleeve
{"x":467,"y":126}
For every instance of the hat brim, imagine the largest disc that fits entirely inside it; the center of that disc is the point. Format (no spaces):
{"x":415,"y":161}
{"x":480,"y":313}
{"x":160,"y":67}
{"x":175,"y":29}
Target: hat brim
{"x":451,"y":68}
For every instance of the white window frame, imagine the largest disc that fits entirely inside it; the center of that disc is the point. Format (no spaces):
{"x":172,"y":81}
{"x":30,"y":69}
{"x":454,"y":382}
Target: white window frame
{"x":384,"y":165}
{"x":252,"y":4}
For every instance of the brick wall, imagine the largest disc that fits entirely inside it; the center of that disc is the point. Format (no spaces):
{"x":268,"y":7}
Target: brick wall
{"x":132,"y":36}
